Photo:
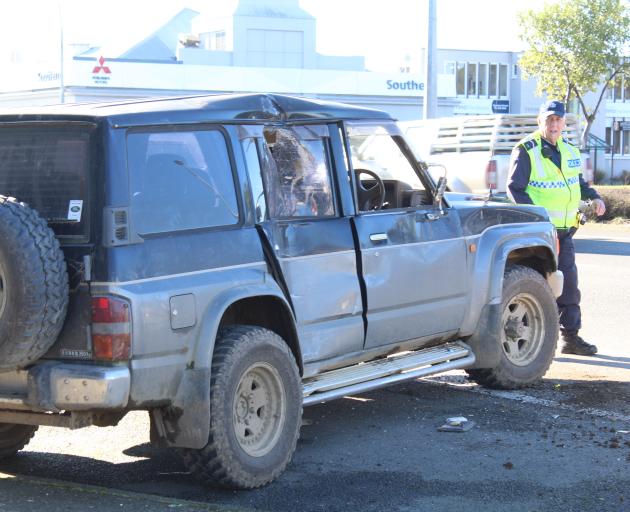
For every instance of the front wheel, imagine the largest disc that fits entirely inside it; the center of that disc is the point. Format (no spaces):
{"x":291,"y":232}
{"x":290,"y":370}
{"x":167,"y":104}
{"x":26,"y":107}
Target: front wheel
{"x":529,"y":331}
{"x":255,"y":407}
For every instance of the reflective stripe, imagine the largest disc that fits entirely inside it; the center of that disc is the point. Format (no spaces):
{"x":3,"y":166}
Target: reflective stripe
{"x":573,"y":150}
{"x":540,"y":168}
{"x":561,"y":213}
{"x":548,"y":184}
{"x":555,"y":184}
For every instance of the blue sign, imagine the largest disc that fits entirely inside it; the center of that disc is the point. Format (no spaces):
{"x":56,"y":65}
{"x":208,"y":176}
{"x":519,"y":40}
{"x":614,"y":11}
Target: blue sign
{"x":500,"y":106}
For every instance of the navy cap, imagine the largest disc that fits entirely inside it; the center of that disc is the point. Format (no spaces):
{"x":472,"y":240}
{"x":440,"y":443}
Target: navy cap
{"x":551,"y":108}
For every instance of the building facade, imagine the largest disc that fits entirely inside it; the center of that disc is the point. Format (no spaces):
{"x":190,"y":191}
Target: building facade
{"x":270,"y":46}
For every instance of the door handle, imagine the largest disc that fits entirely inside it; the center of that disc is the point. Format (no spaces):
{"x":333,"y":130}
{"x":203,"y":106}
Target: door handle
{"x":427,"y":216}
{"x":378,"y":237}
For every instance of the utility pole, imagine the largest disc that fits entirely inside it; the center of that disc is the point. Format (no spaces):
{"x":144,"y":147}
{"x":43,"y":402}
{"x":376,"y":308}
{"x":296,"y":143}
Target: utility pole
{"x":62,"y":92}
{"x":430,"y":75}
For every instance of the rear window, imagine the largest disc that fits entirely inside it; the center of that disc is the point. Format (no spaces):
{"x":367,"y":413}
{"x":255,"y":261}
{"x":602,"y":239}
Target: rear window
{"x":47,"y":167}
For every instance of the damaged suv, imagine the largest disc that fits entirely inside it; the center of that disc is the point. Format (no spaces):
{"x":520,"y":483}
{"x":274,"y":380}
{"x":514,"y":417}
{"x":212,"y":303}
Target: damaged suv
{"x":222,"y":261}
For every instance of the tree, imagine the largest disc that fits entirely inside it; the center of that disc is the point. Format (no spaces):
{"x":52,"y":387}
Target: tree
{"x":576,"y":46}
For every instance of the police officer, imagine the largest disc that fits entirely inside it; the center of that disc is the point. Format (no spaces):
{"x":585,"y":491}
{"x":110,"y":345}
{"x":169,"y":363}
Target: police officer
{"x":546,"y":170}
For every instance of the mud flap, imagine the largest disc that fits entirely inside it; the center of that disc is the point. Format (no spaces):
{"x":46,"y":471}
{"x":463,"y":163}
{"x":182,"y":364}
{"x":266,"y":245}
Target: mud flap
{"x":186,"y":423}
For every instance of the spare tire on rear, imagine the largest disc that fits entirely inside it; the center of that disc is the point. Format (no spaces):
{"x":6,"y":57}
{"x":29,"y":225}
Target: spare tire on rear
{"x":33,"y":285}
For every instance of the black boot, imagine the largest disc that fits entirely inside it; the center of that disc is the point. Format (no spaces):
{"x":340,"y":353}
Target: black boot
{"x":574,"y":344}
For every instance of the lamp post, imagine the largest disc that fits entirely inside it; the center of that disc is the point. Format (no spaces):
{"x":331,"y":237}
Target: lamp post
{"x":62,"y":98}
{"x":430,"y":75}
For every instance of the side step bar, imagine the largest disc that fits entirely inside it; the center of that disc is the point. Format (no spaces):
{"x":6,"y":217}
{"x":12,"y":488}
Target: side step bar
{"x":363,"y":377}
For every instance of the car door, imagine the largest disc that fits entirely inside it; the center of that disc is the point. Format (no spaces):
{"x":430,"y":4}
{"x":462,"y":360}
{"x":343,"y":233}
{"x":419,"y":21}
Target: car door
{"x":299,"y":215}
{"x":413,"y":254}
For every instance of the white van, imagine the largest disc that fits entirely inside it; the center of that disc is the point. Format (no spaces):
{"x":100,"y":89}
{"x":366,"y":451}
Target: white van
{"x":475,"y":150}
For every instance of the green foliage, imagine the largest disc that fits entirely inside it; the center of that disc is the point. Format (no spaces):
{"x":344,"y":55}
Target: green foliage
{"x":574,"y":46}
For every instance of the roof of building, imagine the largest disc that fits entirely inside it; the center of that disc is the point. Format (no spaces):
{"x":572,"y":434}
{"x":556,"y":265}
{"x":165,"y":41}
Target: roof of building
{"x":159,"y":46}
{"x":206,"y":108}
{"x":277,"y":9}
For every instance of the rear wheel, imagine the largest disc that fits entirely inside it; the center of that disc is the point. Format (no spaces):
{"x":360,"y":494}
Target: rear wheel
{"x":255,"y":407}
{"x":529,"y":331}
{"x":14,"y":437}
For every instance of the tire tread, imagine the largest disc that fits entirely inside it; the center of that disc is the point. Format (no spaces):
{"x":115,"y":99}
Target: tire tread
{"x":210,"y":464}
{"x":499,"y":377}
{"x":43,"y":313}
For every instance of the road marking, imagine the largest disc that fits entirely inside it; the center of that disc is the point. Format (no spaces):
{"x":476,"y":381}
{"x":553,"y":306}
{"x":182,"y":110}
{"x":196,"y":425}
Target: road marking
{"x":118,"y":493}
{"x":461,"y":382}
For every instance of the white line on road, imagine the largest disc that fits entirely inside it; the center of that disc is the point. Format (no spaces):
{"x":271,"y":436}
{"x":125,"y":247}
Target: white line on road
{"x":464,"y":384}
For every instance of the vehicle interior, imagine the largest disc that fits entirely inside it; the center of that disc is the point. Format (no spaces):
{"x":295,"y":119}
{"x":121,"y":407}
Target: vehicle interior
{"x":384,"y":177}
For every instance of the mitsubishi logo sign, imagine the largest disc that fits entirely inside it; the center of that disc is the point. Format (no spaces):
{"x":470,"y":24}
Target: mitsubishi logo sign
{"x":100,"y":73}
{"x":101,"y":67}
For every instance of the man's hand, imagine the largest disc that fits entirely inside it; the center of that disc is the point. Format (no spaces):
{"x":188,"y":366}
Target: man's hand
{"x":599,"y":207}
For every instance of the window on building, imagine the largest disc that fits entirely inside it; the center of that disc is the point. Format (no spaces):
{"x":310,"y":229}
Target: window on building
{"x":619,"y":139}
{"x":483,"y":80}
{"x":503,"y":73}
{"x":218,"y":41}
{"x":616,"y":141}
{"x":460,"y":79}
{"x":617,"y":89}
{"x":472,"y":79}
{"x":475,"y":79}
{"x":492,"y":80}
{"x":626,"y":89}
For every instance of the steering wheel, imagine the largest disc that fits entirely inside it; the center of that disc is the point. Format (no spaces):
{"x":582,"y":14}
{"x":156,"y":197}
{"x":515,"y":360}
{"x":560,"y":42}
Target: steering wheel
{"x":373,"y":196}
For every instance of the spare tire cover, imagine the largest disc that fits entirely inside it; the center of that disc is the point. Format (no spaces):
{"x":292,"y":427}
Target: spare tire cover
{"x":33,"y":285}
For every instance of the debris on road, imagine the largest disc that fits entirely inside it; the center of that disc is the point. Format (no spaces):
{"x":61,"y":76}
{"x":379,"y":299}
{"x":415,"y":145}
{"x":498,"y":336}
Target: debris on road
{"x":457,"y":424}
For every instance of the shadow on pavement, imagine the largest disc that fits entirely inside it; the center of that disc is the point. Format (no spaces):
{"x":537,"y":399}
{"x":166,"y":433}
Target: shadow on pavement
{"x":88,"y":470}
{"x":602,"y":246}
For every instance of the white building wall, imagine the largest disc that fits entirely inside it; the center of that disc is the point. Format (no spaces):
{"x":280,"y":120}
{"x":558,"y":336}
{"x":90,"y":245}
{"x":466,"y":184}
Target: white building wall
{"x":237,"y":68}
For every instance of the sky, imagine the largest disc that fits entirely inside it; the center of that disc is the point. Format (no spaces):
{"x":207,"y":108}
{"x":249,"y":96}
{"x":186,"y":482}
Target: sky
{"x":388,"y":33}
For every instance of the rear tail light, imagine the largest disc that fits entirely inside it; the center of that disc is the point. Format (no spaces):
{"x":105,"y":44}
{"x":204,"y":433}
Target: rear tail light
{"x":111,"y":329}
{"x":491,"y":174}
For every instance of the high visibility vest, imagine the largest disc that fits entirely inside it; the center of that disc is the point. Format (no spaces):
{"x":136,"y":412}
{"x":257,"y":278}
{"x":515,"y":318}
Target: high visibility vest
{"x":557,"y":190}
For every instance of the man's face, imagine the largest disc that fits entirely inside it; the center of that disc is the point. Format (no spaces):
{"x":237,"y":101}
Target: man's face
{"x":551,"y":127}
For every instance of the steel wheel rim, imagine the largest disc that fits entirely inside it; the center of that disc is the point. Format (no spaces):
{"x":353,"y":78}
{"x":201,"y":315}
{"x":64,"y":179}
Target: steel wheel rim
{"x":522,"y":335}
{"x":259,"y":411}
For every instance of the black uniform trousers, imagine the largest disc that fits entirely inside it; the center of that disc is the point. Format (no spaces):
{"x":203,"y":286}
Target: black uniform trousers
{"x":569,"y":301}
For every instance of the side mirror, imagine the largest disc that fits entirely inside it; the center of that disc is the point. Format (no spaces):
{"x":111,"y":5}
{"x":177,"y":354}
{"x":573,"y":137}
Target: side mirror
{"x":439,"y":192}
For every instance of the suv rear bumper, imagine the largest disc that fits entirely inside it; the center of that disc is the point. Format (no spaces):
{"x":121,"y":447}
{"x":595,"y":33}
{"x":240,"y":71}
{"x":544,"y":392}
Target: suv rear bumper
{"x":65,"y":387}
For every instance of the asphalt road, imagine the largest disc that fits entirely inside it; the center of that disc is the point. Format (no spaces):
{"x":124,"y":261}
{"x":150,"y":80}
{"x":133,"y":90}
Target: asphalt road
{"x":563,"y":445}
